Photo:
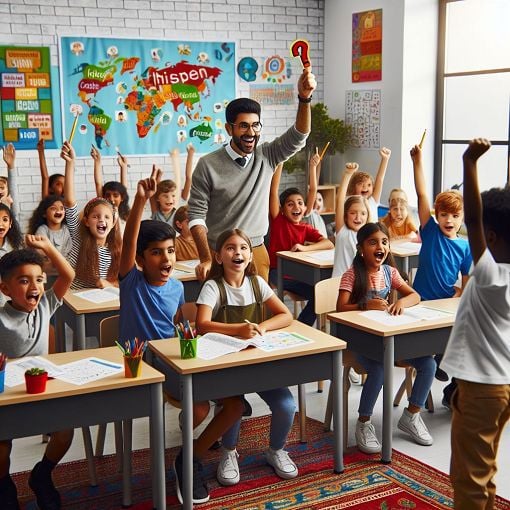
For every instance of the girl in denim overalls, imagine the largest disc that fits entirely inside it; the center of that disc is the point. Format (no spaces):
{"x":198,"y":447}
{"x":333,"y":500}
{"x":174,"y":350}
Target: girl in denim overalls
{"x":232,"y":302}
{"x":367,"y":286}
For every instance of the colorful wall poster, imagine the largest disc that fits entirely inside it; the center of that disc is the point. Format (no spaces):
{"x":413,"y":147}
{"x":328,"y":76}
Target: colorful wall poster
{"x":145,"y":96}
{"x":363,"y":113}
{"x":367,"y":46}
{"x":26,"y":106}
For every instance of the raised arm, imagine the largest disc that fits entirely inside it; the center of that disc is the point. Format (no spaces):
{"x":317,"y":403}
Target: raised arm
{"x":152,"y":200}
{"x":350,"y":168}
{"x":10,"y":160}
{"x":45,"y":178}
{"x":68,"y":155}
{"x":385,"y":154}
{"x":188,"y":172}
{"x":176,"y":165}
{"x":122,"y":161}
{"x":313,"y":170}
{"x":145,"y":189}
{"x":274,"y":201}
{"x":64,"y":270}
{"x":472,"y":200}
{"x":98,"y":171}
{"x":306,"y":85}
{"x":420,"y":186}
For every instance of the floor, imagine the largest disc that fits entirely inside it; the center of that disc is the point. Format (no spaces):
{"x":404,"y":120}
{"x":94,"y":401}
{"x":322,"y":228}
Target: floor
{"x":27,"y":451}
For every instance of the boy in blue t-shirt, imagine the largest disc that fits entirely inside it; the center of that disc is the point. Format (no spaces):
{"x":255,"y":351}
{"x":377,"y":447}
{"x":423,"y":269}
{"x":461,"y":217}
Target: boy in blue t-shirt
{"x":443,"y":253}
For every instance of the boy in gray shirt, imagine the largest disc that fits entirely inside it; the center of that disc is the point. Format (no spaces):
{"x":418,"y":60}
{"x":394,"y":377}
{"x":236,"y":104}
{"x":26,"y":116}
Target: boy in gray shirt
{"x":24,"y":329}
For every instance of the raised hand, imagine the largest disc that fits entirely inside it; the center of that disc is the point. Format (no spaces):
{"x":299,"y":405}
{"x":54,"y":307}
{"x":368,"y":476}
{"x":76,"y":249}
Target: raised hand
{"x":350,"y":168}
{"x":95,"y":154}
{"x":67,"y":152}
{"x":416,"y":154}
{"x":306,"y":83}
{"x":476,"y":148}
{"x":385,"y":153}
{"x":37,"y":242}
{"x":315,"y":159}
{"x":9,"y":155}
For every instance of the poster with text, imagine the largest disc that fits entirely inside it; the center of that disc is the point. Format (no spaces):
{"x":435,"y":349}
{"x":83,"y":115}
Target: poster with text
{"x":363,"y":113}
{"x":145,"y":96}
{"x":26,"y":106}
{"x":367,"y":46}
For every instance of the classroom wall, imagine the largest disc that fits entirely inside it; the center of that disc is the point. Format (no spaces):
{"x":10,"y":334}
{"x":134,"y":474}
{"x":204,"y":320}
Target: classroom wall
{"x":407,"y":87}
{"x":259,"y":28}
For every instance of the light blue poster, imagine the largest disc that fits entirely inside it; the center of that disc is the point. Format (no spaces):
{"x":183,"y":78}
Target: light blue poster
{"x":145,"y":96}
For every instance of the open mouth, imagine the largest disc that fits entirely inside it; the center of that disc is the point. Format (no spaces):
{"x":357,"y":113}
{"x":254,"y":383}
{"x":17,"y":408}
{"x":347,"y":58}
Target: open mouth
{"x":101,"y":229}
{"x":2,"y":232}
{"x":33,"y":298}
{"x":165,"y":271}
{"x":58,"y":216}
{"x":238,"y":262}
{"x":248,"y":141}
{"x":379,"y":256}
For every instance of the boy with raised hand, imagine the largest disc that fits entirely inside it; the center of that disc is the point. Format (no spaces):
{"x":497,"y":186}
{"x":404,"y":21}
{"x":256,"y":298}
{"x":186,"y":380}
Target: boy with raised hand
{"x":478,"y":352}
{"x":24,"y":327}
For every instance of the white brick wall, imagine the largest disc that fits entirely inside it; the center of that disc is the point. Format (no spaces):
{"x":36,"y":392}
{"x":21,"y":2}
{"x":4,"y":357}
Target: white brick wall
{"x":259,"y":27}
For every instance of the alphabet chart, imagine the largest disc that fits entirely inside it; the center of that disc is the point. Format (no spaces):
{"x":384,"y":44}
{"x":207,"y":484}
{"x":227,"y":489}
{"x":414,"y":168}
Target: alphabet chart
{"x":363,"y":113}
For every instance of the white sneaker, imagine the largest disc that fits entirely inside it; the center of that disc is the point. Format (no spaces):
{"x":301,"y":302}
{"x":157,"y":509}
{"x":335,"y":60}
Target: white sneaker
{"x":366,"y":440}
{"x":354,"y":377}
{"x":228,"y":468}
{"x":282,"y":464}
{"x":412,"y":423}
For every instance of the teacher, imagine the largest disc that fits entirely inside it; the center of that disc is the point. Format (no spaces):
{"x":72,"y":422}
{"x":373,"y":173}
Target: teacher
{"x":230,"y":187}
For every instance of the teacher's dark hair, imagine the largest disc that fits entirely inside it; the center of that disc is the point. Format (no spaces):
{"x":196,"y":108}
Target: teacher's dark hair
{"x":241,"y":105}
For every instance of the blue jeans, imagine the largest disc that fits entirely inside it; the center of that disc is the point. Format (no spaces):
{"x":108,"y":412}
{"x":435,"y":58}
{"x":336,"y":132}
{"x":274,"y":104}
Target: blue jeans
{"x":282,"y":406}
{"x":425,"y":372}
{"x":307,"y":315}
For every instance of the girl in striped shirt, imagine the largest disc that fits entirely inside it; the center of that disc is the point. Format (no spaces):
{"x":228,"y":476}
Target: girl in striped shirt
{"x":95,"y":254}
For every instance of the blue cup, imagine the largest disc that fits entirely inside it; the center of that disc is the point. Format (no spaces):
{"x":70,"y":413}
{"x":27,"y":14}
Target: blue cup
{"x":2,"y":380}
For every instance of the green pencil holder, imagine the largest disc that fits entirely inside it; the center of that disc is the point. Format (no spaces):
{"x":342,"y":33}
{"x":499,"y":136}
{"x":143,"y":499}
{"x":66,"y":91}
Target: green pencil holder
{"x":188,"y":348}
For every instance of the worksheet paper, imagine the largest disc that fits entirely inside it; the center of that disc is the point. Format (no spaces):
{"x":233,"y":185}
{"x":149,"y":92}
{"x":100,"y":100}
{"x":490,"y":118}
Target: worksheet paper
{"x":213,"y":345}
{"x":406,"y":247}
{"x":410,"y":315}
{"x":99,"y":295}
{"x":15,"y":370}
{"x":88,"y":370}
{"x":323,"y":255}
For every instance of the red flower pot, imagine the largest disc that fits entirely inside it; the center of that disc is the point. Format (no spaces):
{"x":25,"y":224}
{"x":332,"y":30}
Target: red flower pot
{"x":36,"y":383}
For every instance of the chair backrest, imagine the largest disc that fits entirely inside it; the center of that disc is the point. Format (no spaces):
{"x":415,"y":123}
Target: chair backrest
{"x":109,"y":331}
{"x":326,"y":295}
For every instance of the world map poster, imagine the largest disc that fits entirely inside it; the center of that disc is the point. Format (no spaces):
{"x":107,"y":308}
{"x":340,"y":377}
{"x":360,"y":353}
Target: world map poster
{"x":145,"y":96}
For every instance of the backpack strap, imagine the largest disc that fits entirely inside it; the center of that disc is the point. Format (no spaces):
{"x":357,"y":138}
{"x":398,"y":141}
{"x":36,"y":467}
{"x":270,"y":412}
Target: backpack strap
{"x":255,"y":285}
{"x":223,"y":298}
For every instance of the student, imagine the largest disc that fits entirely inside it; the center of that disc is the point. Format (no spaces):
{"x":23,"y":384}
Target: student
{"x":232,"y":302}
{"x":113,"y":191}
{"x":398,"y":220}
{"x":350,"y":216}
{"x":50,"y":185}
{"x":443,"y":253}
{"x":48,"y":220}
{"x":150,"y":302}
{"x":8,"y":189}
{"x":367,"y":286}
{"x":478,"y":352}
{"x":164,"y":202}
{"x":95,"y":253}
{"x":362,"y":184}
{"x":24,"y":326}
{"x":313,"y":216}
{"x":288,"y":232}
{"x":185,"y":247}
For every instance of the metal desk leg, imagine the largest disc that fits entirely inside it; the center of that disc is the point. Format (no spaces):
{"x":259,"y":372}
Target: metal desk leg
{"x":338,"y":427}
{"x":157,"y":442}
{"x":279,"y":281}
{"x":127,"y":427}
{"x":302,"y":412}
{"x":187,"y":442}
{"x":79,"y":333}
{"x":389,"y":350}
{"x":405,"y":265}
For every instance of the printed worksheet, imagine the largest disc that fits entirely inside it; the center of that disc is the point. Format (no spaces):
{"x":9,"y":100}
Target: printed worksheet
{"x":99,"y":295}
{"x":414,"y":314}
{"x":15,"y":370}
{"x":322,"y":255}
{"x":88,"y":370}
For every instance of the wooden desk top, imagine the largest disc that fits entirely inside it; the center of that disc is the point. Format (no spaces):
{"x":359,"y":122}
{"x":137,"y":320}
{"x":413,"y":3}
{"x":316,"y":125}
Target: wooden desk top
{"x":169,"y":351}
{"x":306,"y":257}
{"x":56,"y":388}
{"x":405,"y":249}
{"x":354,"y":319}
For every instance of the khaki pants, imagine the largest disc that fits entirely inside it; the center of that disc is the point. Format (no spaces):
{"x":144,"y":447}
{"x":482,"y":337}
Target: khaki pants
{"x":480,"y":412}
{"x":261,"y":261}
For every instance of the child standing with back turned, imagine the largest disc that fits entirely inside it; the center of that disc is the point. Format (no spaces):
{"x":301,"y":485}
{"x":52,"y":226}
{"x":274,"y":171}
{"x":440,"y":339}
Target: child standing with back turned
{"x":478,"y":352}
{"x":367,"y":286}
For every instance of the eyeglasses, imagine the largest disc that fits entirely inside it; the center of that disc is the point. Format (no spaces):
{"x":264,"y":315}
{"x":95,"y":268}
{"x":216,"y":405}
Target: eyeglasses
{"x":244,"y":126}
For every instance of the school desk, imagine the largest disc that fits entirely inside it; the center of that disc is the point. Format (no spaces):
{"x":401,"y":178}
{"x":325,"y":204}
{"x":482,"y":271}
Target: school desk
{"x":83,"y":316}
{"x":249,"y":371}
{"x":406,"y":256}
{"x":389,"y":343}
{"x":302,"y":266}
{"x":114,"y":398}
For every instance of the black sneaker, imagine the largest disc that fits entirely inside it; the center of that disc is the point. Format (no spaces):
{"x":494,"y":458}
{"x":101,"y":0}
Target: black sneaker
{"x":48,"y":498}
{"x":200,"y":491}
{"x":441,"y":375}
{"x":9,"y":496}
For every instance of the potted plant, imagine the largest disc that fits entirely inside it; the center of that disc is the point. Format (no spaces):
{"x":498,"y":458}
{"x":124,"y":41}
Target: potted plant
{"x":324,"y":129}
{"x":35,"y":380}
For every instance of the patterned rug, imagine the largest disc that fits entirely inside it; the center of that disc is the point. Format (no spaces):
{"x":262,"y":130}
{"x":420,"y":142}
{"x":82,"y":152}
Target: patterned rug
{"x":366,"y":484}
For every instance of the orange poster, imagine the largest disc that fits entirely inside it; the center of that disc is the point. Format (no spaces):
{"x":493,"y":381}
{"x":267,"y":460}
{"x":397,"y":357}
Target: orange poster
{"x":367,"y":46}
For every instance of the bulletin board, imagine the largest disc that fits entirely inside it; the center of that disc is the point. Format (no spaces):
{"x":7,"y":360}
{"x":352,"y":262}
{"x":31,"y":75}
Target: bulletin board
{"x":363,"y":113}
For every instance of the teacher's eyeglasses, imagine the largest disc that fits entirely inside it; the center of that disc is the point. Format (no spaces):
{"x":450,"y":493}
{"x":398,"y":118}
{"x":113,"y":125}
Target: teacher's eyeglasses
{"x":244,"y":126}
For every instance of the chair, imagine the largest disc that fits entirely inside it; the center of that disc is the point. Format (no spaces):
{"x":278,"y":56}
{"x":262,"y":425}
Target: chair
{"x":296,"y":300}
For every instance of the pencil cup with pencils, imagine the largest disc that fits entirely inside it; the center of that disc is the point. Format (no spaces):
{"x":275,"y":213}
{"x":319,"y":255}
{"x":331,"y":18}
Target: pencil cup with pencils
{"x":3,"y":361}
{"x":132,"y":352}
{"x":187,"y":340}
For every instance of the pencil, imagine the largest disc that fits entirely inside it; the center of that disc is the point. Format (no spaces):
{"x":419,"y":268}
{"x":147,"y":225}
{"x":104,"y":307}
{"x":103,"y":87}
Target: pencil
{"x":324,"y":151}
{"x":73,"y":129}
{"x":420,"y":145}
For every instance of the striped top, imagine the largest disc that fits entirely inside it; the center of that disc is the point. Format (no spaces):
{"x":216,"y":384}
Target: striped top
{"x":105,"y":257}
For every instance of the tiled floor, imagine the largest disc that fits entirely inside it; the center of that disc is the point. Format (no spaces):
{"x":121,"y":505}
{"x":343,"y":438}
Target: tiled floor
{"x":29,"y":450}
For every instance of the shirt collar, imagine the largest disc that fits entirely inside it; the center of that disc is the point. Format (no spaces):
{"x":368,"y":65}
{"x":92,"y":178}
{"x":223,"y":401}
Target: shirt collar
{"x":234,"y":155}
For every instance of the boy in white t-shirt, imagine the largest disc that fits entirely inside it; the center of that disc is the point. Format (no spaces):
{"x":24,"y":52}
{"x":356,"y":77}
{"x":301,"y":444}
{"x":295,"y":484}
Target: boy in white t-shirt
{"x":478,"y":352}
